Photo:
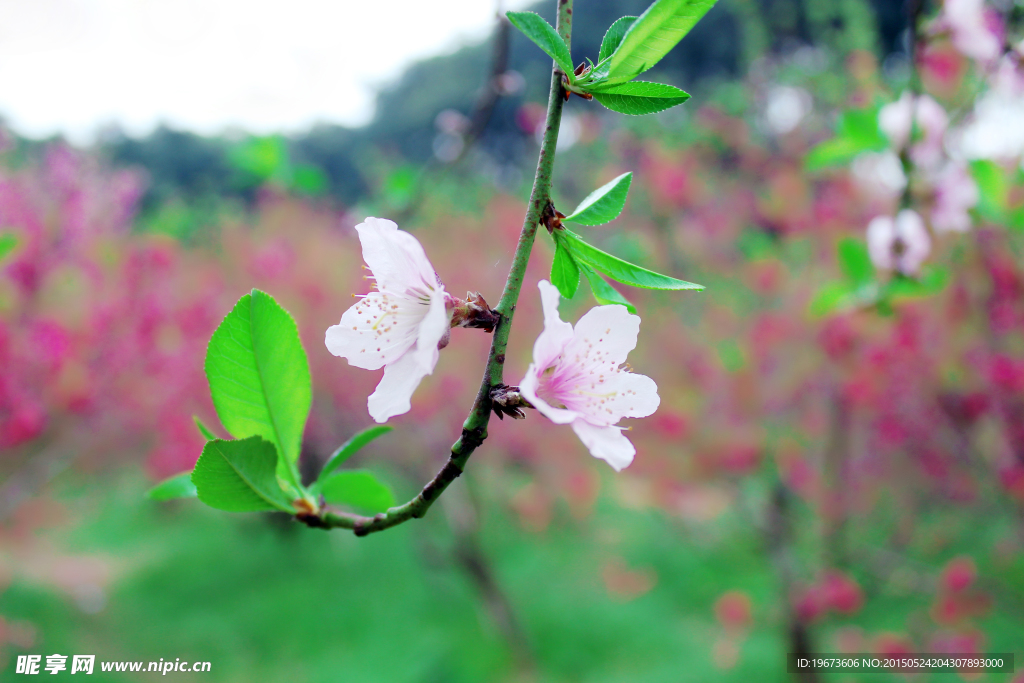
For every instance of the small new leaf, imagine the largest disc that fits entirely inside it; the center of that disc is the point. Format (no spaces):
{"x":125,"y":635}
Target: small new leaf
{"x":613,"y":37}
{"x":203,"y":429}
{"x":349,"y":448}
{"x":855,"y":261}
{"x":637,"y":98}
{"x":619,"y":270}
{"x":358,"y":489}
{"x":603,"y":204}
{"x":240,"y":476}
{"x":565,"y":274}
{"x":603,"y":292}
{"x":178,"y":486}
{"x":259,"y":377}
{"x":545,"y":37}
{"x":652,"y":36}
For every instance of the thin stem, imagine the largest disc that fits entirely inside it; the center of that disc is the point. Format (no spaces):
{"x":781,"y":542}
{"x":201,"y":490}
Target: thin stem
{"x":474,"y":429}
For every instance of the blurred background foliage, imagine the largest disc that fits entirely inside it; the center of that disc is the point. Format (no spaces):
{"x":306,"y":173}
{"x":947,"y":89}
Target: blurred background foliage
{"x":850,"y":481}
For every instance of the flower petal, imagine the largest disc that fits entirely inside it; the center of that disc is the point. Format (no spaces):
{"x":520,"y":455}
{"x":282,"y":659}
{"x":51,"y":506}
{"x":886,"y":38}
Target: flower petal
{"x":603,"y":338}
{"x":607,"y":443}
{"x":617,"y":395}
{"x":529,"y":387}
{"x":556,"y":333}
{"x":377,"y":330}
{"x":395,"y":257}
{"x":433,"y":326}
{"x":393,"y":395}
{"x":881,"y":233}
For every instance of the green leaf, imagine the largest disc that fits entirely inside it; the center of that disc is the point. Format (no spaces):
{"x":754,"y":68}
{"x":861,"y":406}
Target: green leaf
{"x":619,"y":270}
{"x":178,"y":486}
{"x":603,"y":204}
{"x":359,"y":489}
{"x":349,"y":448}
{"x":933,"y":280}
{"x":603,"y":292}
{"x":993,"y":188}
{"x":203,"y":429}
{"x":540,"y":32}
{"x":855,"y":261}
{"x":565,"y":274}
{"x":860,"y":127}
{"x":613,"y":37}
{"x":834,"y":152}
{"x":831,"y":297}
{"x":652,"y":35}
{"x":836,"y":296}
{"x":240,"y":476}
{"x":259,"y":377}
{"x":639,"y":97}
{"x":857,"y":132}
{"x":8,"y":241}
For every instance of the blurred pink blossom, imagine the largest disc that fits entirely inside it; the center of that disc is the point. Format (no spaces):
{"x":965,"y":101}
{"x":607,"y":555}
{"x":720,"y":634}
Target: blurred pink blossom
{"x":994,"y":130}
{"x":976,"y":30}
{"x":900,"y":243}
{"x":956,"y":194}
{"x":896,"y":120}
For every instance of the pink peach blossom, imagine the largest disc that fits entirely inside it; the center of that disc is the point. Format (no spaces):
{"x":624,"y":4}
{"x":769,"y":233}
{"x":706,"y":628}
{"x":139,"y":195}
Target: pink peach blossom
{"x":576,"y":377}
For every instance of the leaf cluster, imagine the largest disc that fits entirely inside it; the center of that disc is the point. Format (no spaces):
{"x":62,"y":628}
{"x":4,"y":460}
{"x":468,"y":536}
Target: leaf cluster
{"x":631,"y":46}
{"x":262,"y":391}
{"x":575,"y":257}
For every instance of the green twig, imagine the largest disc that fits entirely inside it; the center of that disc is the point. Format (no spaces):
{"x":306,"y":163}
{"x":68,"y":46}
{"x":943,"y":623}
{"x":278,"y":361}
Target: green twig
{"x":474,"y":430}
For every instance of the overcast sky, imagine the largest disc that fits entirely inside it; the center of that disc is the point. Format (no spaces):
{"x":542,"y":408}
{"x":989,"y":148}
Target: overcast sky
{"x":72,"y":66}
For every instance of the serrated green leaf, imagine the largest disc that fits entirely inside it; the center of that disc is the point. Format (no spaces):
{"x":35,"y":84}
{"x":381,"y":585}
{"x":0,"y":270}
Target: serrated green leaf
{"x":358,"y":489}
{"x":619,"y":270}
{"x":652,"y":35}
{"x":8,"y":241}
{"x":565,"y":274}
{"x":603,"y":292}
{"x":545,"y":37}
{"x":178,"y":486}
{"x":637,"y":98}
{"x":613,"y":37}
{"x":259,"y":377}
{"x":203,"y":429}
{"x":855,"y":261}
{"x":603,"y":204}
{"x":349,"y":448}
{"x":240,"y":476}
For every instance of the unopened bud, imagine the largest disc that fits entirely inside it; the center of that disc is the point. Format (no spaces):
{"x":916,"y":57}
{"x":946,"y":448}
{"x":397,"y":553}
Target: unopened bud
{"x":506,"y":400}
{"x":473,"y":312}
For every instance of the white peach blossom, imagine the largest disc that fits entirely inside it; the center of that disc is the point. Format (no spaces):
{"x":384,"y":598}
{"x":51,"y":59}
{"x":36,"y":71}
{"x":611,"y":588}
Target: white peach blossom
{"x":576,"y":377}
{"x":399,"y":326}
